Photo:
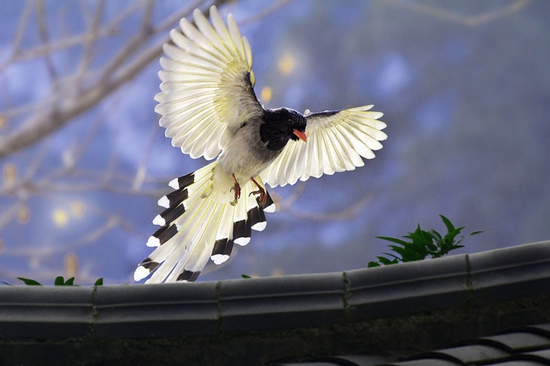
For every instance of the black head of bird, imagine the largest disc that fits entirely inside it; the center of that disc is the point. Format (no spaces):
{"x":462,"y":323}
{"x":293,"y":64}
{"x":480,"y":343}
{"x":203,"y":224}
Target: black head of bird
{"x":280,"y":125}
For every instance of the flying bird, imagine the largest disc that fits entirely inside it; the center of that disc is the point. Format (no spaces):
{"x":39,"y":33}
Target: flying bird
{"x":209,"y":109}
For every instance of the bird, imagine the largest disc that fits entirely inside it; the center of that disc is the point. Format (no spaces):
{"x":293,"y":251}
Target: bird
{"x":209,"y":109}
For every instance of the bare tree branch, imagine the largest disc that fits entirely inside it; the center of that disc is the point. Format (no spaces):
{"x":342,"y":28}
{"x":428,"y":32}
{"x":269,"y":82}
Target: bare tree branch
{"x":45,"y":38}
{"x":469,"y":21}
{"x":61,"y":108}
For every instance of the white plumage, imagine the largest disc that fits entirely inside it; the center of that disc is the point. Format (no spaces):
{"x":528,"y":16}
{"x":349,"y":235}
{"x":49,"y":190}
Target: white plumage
{"x":208,"y":108}
{"x":336,"y":141}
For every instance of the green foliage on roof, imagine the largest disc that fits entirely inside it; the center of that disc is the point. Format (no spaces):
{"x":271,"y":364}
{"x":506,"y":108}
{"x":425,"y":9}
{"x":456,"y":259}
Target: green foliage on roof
{"x":59,"y":281}
{"x":422,"y":243}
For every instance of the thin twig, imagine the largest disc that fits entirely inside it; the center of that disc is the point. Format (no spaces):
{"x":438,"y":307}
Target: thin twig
{"x":62,"y":109}
{"x":468,"y":21}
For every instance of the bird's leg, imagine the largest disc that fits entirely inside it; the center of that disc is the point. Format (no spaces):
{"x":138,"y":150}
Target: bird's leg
{"x":237,"y":188}
{"x":260,"y":191}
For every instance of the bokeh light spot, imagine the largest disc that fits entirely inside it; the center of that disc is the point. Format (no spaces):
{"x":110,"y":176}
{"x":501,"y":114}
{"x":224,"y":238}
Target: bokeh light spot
{"x":77,"y":209}
{"x":266,"y":94}
{"x":60,"y":217}
{"x":71,"y":265}
{"x":286,"y":63}
{"x":10,"y":172}
{"x":23,"y":214}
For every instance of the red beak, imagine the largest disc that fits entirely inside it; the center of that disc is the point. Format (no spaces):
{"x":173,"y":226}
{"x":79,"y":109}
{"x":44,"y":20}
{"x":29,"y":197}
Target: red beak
{"x":301,"y":135}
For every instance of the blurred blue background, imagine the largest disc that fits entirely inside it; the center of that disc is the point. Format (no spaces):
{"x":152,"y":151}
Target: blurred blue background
{"x":465,"y":88}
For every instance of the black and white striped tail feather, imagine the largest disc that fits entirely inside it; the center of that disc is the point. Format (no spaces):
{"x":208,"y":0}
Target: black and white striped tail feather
{"x":187,"y":244}
{"x":186,"y":238}
{"x":248,"y":215}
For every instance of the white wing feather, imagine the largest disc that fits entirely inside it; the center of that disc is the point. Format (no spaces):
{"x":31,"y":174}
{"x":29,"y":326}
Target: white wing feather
{"x":207,"y":85}
{"x":336,"y":142}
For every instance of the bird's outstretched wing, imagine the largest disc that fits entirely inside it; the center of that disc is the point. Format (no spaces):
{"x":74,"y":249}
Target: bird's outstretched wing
{"x":336,"y":141}
{"x":207,"y":85}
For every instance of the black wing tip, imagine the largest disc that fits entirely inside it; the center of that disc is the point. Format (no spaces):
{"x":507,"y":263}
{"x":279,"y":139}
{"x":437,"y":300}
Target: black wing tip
{"x":176,"y":197}
{"x":186,"y":180}
{"x":256,"y":215}
{"x":165,"y":233}
{"x":223,"y":247}
{"x":242,"y":230}
{"x":221,"y":251}
{"x":172,"y":213}
{"x":149,"y":264}
{"x":188,"y":276}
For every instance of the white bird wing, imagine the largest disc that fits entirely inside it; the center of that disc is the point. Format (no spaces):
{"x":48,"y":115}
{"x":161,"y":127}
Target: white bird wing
{"x":207,"y":89}
{"x":336,"y":141}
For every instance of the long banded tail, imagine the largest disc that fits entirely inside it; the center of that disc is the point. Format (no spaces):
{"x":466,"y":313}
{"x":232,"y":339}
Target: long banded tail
{"x":195,"y":227}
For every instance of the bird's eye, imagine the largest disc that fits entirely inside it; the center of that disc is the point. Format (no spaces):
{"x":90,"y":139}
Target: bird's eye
{"x":291,"y":122}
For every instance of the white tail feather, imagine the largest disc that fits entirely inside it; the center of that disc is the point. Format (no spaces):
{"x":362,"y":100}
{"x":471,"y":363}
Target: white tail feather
{"x":197,"y":226}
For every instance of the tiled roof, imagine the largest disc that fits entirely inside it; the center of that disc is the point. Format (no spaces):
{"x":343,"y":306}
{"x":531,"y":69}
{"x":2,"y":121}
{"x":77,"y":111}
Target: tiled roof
{"x":525,"y":346}
{"x":399,"y":310}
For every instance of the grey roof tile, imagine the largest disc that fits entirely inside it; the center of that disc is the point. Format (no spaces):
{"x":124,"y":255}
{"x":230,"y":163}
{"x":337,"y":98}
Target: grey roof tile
{"x":452,"y":298}
{"x":156,"y":310}
{"x":281,"y":302}
{"x":541,"y":355}
{"x":510,"y":273}
{"x":522,"y":346}
{"x":520,"y":341}
{"x":520,"y":363}
{"x":408,"y":287}
{"x":313,"y":363}
{"x":45,"y":312}
{"x":424,"y":362}
{"x":474,"y":353}
{"x":540,"y":329}
{"x":350,"y":360}
{"x":362,"y":360}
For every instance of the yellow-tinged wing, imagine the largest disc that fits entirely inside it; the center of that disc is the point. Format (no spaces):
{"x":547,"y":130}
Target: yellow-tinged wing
{"x":207,"y":85}
{"x":336,"y":141}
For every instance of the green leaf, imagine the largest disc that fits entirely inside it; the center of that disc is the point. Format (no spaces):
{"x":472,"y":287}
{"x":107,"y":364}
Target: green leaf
{"x":436,"y":237}
{"x":408,"y":254}
{"x":434,"y":234}
{"x":5,"y":283}
{"x":421,"y":239}
{"x":451,"y":235}
{"x":245,"y":276}
{"x":29,"y":282}
{"x":386,"y":261}
{"x":99,"y":282}
{"x":423,"y":243}
{"x":395,"y":240}
{"x":448,"y":223}
{"x":60,"y":281}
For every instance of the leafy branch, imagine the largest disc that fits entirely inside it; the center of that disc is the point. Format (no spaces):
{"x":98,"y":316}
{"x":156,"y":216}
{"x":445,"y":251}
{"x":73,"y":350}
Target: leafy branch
{"x":423,"y":243}
{"x":59,"y":281}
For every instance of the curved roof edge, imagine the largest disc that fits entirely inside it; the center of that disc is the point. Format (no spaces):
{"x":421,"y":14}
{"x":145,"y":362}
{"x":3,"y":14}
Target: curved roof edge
{"x":298,"y":301}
